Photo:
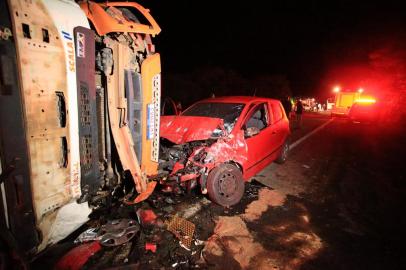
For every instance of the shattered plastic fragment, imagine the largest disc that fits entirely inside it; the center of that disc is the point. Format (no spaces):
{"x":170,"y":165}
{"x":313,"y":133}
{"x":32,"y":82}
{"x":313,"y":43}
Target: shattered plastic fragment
{"x":88,"y":235}
{"x":78,"y":256}
{"x":199,"y":242}
{"x":183,"y":230}
{"x":150,"y":247}
{"x":146,"y":217}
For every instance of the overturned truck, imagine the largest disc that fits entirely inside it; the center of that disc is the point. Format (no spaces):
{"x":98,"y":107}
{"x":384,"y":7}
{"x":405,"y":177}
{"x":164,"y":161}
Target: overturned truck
{"x":79,"y":114}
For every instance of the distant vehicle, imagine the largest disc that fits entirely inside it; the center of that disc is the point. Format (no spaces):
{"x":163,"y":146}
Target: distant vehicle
{"x":222,"y":142}
{"x":307,"y":107}
{"x":343,"y":103}
{"x":364,"y":111}
{"x":329,"y":104}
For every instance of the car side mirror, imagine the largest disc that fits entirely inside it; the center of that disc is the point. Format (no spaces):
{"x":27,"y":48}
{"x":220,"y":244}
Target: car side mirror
{"x":251,"y":131}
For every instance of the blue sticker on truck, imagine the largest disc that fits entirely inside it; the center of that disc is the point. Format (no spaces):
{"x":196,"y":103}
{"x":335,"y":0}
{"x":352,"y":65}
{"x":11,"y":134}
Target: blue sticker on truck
{"x":150,"y":121}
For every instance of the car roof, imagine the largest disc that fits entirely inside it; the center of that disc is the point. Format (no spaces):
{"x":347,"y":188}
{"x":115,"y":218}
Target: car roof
{"x":237,"y":99}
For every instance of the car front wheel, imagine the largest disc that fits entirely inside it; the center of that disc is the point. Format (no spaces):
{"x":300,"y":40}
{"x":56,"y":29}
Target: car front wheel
{"x":225,"y":185}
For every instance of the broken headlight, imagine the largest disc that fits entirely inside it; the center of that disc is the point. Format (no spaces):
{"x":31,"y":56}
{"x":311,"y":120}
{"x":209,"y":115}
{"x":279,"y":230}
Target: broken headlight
{"x":217,"y":133}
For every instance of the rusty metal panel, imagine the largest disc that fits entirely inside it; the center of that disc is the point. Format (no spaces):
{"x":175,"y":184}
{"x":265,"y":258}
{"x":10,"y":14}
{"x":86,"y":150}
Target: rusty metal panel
{"x":44,"y":59}
{"x":16,"y":201}
{"x":88,"y":126}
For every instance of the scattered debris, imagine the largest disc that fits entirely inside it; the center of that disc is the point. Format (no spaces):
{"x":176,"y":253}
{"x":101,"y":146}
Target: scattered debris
{"x":199,"y":242}
{"x":113,"y":233}
{"x":91,"y":234}
{"x":78,"y":256}
{"x":150,"y":247}
{"x":191,"y":210}
{"x":117,"y":232}
{"x":182,"y":229}
{"x":169,"y":200}
{"x":146,"y":217}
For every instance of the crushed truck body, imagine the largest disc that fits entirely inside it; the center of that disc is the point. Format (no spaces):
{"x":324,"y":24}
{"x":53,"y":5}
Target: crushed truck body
{"x":79,"y":114}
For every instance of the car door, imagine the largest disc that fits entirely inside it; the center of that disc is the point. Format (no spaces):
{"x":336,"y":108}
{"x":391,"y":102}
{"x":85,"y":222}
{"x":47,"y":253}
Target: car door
{"x":279,"y":125}
{"x":259,"y":146}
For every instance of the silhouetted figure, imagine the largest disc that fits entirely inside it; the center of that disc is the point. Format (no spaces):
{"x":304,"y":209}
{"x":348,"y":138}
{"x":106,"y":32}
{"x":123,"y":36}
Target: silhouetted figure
{"x":299,"y":112}
{"x":287,"y":105}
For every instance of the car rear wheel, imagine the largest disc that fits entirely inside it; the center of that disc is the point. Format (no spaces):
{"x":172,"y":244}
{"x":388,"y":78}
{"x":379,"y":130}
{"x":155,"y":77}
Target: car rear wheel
{"x":283,"y":156}
{"x":225,"y":185}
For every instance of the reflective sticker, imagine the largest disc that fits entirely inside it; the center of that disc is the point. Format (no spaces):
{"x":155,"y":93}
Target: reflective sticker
{"x":150,"y":121}
{"x":80,"y":45}
{"x":156,"y":99}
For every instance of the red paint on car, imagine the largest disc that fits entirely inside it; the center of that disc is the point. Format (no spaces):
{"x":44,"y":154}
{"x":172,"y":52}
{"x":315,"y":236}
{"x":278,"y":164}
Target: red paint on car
{"x":182,"y":129}
{"x":248,"y":132}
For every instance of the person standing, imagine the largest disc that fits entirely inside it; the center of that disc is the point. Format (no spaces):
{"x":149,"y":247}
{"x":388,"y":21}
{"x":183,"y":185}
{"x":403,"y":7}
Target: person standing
{"x":287,"y":105}
{"x":299,"y":112}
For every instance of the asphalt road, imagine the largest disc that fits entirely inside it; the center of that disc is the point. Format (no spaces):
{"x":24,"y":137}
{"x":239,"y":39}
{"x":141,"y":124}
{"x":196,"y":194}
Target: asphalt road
{"x":337,"y":203}
{"x":345,"y":191}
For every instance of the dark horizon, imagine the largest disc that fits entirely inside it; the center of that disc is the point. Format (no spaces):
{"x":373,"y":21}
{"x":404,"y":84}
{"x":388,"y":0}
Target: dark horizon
{"x":302,"y":40}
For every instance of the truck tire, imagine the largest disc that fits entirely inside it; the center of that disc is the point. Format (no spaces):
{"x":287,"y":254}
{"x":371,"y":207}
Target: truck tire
{"x":225,"y":185}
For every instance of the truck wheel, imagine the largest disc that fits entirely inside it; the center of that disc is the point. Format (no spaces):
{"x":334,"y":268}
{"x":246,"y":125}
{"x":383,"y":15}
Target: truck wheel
{"x":283,"y":156}
{"x":225,"y":185}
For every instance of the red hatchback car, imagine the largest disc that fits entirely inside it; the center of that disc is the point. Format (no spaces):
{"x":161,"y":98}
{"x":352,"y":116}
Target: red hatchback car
{"x":221,"y":142}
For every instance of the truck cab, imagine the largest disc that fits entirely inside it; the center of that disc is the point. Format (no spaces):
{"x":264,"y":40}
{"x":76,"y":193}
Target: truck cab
{"x":79,"y":114}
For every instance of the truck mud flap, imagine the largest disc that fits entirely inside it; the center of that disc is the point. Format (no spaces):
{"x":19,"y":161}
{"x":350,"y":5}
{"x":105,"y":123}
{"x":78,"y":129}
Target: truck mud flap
{"x":17,"y":216}
{"x":87,"y":110}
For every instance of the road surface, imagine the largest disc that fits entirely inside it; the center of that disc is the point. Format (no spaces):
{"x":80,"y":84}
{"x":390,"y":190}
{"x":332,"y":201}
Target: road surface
{"x":337,"y":203}
{"x":344,"y":194}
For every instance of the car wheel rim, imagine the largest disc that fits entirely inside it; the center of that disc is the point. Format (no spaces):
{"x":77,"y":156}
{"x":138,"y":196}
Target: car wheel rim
{"x":227,"y":184}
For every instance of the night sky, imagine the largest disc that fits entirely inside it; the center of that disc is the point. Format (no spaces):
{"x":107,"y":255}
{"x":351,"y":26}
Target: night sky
{"x":303,"y":40}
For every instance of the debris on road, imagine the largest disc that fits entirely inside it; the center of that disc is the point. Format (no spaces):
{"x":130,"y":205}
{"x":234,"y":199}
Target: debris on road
{"x":117,"y":232}
{"x":182,"y":229}
{"x":150,"y":247}
{"x":113,"y":233}
{"x":146,"y":217}
{"x":91,"y":234}
{"x":78,"y":256}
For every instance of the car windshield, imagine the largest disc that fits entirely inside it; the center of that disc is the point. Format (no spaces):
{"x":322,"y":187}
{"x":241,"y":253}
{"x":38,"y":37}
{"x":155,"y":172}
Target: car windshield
{"x":229,"y":112}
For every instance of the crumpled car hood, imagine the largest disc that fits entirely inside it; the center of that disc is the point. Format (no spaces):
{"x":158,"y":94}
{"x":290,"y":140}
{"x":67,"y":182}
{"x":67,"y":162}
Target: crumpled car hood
{"x":183,"y":129}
